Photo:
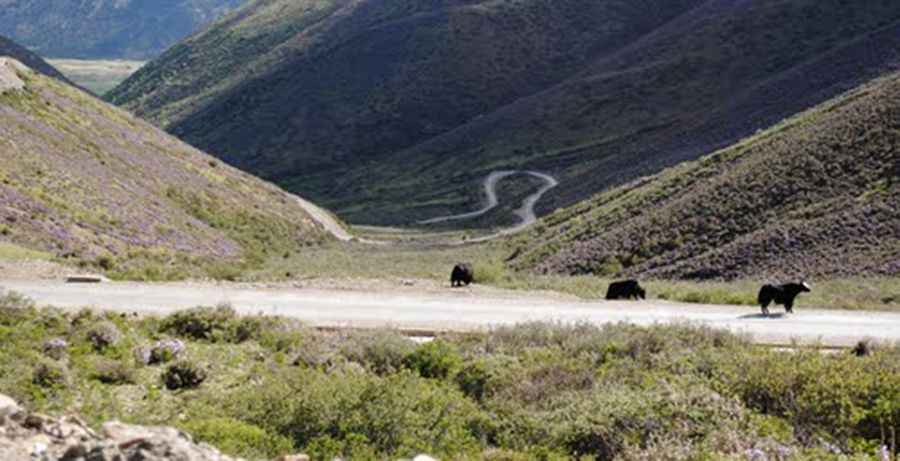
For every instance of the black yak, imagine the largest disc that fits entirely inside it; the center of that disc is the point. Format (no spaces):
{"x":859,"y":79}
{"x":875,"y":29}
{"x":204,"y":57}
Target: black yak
{"x":780,"y":294}
{"x":462,"y":273}
{"x":863,"y":348}
{"x":625,"y":289}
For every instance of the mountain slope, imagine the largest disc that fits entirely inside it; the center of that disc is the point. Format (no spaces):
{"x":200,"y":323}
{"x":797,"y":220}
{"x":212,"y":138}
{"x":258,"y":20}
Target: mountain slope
{"x":394,"y":111}
{"x":112,"y":29}
{"x":816,"y":196}
{"x":13,"y":50}
{"x":86,"y":181}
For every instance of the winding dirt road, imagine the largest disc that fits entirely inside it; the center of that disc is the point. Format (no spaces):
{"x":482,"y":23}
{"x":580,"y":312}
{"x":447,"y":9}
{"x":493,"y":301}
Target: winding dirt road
{"x":525,"y":213}
{"x":331,"y":225}
{"x":461,"y":309}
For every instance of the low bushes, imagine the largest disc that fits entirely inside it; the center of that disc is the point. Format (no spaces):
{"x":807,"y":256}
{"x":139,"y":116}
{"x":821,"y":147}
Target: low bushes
{"x":238,"y":438}
{"x":103,"y":335}
{"x":109,"y":371}
{"x":361,"y":414}
{"x":49,"y":374}
{"x":436,"y":359}
{"x":262,"y":387}
{"x":183,"y":374}
{"x":214,"y":324}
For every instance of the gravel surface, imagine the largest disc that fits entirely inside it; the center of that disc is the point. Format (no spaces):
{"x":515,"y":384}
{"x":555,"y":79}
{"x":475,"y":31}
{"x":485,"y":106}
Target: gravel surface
{"x":433,"y":308}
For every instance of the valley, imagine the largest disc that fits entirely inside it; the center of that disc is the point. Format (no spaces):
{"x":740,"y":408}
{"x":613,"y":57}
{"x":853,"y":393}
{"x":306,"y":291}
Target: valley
{"x":233,"y":222}
{"x":389,"y":114}
{"x":96,"y":76}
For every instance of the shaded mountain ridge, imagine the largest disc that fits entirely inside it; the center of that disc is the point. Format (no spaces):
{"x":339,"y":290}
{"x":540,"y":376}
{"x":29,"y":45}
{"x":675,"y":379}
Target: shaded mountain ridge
{"x":815,"y":196}
{"x":332,"y":99}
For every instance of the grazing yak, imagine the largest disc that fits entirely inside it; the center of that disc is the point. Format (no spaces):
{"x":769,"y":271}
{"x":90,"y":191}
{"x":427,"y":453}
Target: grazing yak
{"x":462,"y":273}
{"x":625,"y":289}
{"x":863,"y":348}
{"x":780,"y":294}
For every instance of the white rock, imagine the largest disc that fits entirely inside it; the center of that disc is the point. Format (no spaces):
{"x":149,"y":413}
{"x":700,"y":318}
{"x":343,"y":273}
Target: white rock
{"x":8,"y":406}
{"x":9,"y":74}
{"x":424,"y":458}
{"x":298,"y":457}
{"x":39,"y":449}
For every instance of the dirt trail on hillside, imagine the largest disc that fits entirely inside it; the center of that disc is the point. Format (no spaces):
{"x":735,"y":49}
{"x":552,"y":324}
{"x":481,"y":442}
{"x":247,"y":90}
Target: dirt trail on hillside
{"x":331,"y":225}
{"x":525,"y":213}
{"x":475,"y":308}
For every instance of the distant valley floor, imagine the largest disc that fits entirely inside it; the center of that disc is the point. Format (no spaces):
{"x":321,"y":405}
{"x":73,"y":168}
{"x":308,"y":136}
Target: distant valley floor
{"x":98,"y":76}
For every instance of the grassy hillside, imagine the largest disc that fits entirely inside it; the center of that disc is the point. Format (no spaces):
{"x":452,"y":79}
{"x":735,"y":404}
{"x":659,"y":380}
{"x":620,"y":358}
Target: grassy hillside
{"x":392,"y":111}
{"x":89,"y":183}
{"x":13,"y":50}
{"x":111,"y":29}
{"x":815,"y":196}
{"x":269,"y":386}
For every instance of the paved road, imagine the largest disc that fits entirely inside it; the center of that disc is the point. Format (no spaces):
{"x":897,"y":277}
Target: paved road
{"x":525,"y":212}
{"x":461,"y":309}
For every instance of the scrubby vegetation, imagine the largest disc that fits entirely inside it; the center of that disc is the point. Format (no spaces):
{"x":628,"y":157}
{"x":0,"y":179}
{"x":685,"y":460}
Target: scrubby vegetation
{"x":813,"y":197}
{"x":90,"y":185}
{"x":533,"y":391}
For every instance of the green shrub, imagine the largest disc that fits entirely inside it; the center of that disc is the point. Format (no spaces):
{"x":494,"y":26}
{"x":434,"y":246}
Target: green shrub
{"x":435,"y":359}
{"x":491,"y":272}
{"x":396,"y":416}
{"x":183,"y":375}
{"x":283,"y":335}
{"x":103,"y":335}
{"x":238,"y":438}
{"x":383,"y":352}
{"x":49,"y":374}
{"x":483,"y":376}
{"x":110,"y":371}
{"x":213,"y":324}
{"x":224,"y":270}
{"x":848,"y":400}
{"x":15,"y":308}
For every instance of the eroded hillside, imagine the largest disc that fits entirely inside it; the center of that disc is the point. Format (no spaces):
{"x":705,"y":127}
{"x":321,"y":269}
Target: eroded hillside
{"x":815,"y":196}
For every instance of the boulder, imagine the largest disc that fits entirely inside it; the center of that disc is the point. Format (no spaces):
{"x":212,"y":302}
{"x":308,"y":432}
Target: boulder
{"x":165,"y":350}
{"x":8,"y":407}
{"x":35,"y":436}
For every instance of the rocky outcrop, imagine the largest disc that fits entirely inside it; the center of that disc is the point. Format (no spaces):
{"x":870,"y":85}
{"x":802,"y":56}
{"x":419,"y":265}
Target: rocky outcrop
{"x":9,"y":78}
{"x":31,"y":436}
